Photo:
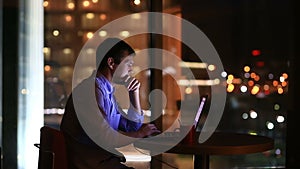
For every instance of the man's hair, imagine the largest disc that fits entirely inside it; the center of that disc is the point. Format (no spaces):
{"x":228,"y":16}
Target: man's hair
{"x":114,"y":48}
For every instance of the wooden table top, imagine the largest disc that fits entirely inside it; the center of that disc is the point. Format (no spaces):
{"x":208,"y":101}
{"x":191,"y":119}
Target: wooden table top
{"x":220,"y":143}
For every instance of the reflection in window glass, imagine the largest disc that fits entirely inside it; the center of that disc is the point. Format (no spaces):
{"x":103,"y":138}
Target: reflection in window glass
{"x":256,"y":83}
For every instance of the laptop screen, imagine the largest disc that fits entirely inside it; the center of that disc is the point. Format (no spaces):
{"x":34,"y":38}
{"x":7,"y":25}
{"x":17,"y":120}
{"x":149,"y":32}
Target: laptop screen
{"x":199,"y":112}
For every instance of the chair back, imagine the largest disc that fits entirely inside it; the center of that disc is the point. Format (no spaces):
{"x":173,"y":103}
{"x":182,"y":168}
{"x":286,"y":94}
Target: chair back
{"x":52,"y":153}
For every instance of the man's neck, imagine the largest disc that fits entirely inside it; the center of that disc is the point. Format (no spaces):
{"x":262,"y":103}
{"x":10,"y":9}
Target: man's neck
{"x":106,"y":73}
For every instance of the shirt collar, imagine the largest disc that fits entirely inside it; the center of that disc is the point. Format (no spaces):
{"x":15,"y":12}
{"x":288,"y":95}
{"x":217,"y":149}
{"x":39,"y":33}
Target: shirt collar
{"x":101,"y":81}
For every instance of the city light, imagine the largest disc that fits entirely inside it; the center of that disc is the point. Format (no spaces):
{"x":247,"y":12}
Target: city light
{"x":243,"y":88}
{"x":102,"y":17}
{"x":280,"y":90}
{"x":285,"y":75}
{"x":68,"y":18}
{"x":55,"y":32}
{"x":198,"y":65}
{"x":46,"y":50}
{"x":89,"y":35}
{"x":188,"y":90}
{"x":270,"y":76}
{"x":230,"y":77}
{"x":275,"y":83}
{"x":198,"y":82}
{"x":230,"y":88}
{"x":278,"y":152}
{"x":86,"y":3}
{"x":269,"y":125}
{"x":256,"y":52}
{"x":136,"y":16}
{"x":90,"y":15}
{"x":70,"y":5}
{"x":24,"y":91}
{"x":281,"y":79}
{"x":245,"y":116}
{"x":246,"y":68}
{"x":102,"y":33}
{"x":260,"y":64}
{"x":247,"y":75}
{"x":255,"y":89}
{"x":280,"y":119}
{"x":266,"y":87}
{"x":253,"y":114}
{"x":136,"y":2}
{"x":250,"y":83}
{"x":45,"y":4}
{"x":47,"y":68}
{"x":276,"y":106}
{"x":124,"y":34}
{"x":67,"y":51}
{"x":224,"y":74}
{"x":211,"y":67}
{"x":90,"y":51}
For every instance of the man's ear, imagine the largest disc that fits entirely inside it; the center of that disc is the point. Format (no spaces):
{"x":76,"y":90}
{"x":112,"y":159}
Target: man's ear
{"x":110,"y":62}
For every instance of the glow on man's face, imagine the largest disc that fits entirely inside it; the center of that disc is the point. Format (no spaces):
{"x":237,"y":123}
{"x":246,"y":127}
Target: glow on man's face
{"x":123,"y":70}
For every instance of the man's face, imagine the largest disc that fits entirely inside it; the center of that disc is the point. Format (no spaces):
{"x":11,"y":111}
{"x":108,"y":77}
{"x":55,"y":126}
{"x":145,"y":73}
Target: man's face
{"x":123,"y":70}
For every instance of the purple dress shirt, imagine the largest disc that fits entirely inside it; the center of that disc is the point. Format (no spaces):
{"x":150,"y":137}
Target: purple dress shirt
{"x":108,"y":106}
{"x":117,"y":119}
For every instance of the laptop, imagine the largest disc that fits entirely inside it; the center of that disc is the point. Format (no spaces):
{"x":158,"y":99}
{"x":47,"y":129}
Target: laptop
{"x":195,"y":123}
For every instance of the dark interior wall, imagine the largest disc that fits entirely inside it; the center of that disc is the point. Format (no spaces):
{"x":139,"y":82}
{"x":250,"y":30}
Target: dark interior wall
{"x":10,"y":84}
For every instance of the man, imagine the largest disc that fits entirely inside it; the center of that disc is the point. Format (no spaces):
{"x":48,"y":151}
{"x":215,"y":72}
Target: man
{"x":90,"y":140}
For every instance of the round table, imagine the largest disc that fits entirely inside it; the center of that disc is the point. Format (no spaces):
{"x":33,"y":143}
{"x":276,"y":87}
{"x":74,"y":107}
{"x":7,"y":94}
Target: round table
{"x":220,"y":143}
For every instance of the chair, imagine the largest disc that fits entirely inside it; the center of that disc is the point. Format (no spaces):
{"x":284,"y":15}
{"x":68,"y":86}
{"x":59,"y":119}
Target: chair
{"x":52,"y":153}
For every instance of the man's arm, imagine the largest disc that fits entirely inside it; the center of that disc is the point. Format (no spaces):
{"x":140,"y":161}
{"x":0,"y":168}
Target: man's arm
{"x":133,"y":87}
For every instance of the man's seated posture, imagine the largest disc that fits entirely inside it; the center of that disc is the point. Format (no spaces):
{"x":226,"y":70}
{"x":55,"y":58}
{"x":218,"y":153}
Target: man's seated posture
{"x":93,"y":124}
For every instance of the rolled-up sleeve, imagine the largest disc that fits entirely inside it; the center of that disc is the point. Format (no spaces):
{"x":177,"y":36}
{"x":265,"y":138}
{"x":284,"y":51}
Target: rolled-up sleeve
{"x":132,"y":121}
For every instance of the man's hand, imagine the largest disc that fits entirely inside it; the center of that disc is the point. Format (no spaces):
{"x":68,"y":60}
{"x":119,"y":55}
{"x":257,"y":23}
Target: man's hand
{"x":133,"y":87}
{"x":147,"y":130}
{"x":132,"y":84}
{"x":144,"y":131}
